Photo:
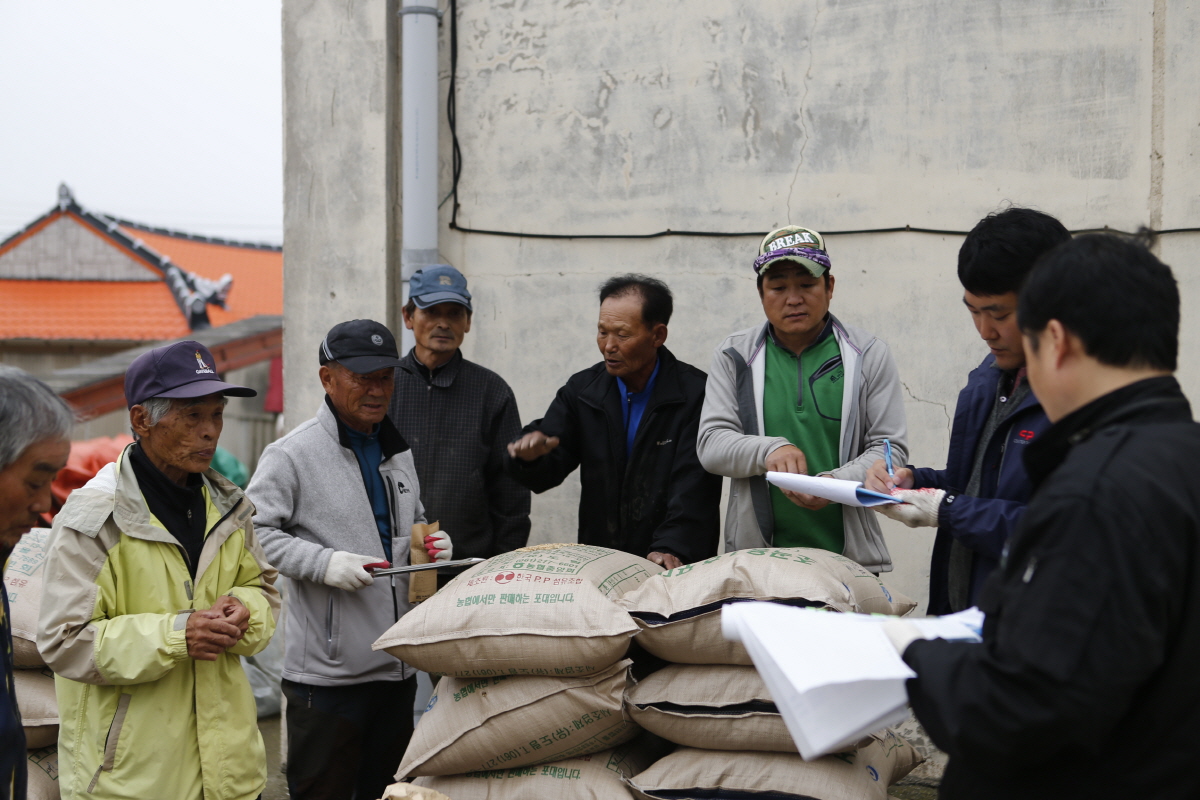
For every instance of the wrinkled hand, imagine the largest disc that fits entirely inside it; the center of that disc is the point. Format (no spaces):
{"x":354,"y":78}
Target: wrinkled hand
{"x":532,"y":445}
{"x":664,"y":560}
{"x":233,"y":611}
{"x":439,"y":546}
{"x":919,"y":509}
{"x":878,"y":479}
{"x":345,"y":571}
{"x":790,"y":458}
{"x":209,"y":634}
{"x":809,"y":501}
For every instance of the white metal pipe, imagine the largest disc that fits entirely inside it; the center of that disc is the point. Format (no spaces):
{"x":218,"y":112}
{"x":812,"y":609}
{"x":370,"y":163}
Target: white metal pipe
{"x":419,"y":146}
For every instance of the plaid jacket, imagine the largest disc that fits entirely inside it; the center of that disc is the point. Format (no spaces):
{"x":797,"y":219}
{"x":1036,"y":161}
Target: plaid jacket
{"x":458,"y":425}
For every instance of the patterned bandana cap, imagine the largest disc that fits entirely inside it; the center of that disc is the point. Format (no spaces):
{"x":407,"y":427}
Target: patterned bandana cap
{"x":806,"y":254}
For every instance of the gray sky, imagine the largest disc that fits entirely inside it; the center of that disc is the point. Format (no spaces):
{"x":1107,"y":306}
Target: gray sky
{"x":167,"y":112}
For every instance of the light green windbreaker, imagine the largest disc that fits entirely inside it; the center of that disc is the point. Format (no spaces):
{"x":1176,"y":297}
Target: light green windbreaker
{"x":139,"y":717}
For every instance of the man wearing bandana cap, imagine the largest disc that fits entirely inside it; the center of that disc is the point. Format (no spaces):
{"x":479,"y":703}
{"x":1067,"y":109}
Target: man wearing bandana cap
{"x":801,"y":393}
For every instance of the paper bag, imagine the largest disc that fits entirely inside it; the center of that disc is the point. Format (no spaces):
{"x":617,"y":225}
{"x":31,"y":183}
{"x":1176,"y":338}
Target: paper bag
{"x":421,"y":585}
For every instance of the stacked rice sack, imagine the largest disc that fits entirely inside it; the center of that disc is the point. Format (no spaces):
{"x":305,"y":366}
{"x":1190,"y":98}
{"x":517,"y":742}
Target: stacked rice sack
{"x":531,"y":646}
{"x":33,"y":681}
{"x":712,"y":702}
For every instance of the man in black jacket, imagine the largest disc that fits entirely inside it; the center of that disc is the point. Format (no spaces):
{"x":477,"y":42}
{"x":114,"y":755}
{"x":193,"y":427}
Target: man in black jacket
{"x":1084,"y":684}
{"x":630,"y":424}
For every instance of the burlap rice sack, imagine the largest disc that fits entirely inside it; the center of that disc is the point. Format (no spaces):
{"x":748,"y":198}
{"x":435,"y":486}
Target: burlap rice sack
{"x":23,"y":582}
{"x":679,"y":611}
{"x":515,"y":721}
{"x":39,"y":706}
{"x":593,"y":777}
{"x":545,"y":610}
{"x":42,"y":765}
{"x":863,"y":774}
{"x":710,"y":706}
{"x":410,"y":791}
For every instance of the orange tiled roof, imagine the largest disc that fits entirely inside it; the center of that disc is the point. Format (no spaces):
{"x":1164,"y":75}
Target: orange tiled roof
{"x":130,"y":310}
{"x":257,"y":274}
{"x":90,"y":310}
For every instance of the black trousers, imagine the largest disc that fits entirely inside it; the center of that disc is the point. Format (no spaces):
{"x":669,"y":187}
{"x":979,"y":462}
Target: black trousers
{"x":345,"y":742}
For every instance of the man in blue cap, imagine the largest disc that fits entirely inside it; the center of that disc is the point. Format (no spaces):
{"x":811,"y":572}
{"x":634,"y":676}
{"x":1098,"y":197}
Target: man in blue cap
{"x":458,"y":417}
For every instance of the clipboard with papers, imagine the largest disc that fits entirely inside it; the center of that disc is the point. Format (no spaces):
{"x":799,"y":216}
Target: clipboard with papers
{"x":848,"y":493}
{"x":834,"y":677}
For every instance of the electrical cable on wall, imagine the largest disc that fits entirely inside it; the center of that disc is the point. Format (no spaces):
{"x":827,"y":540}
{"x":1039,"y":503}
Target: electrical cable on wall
{"x":456,"y":165}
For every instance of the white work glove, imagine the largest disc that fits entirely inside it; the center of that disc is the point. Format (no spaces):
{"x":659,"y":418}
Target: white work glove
{"x":901,"y":634}
{"x":439,"y":547}
{"x":919,"y":509}
{"x":345,"y":571}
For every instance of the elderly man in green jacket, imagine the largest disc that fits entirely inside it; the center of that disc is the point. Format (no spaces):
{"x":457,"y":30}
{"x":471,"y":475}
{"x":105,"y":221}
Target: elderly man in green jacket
{"x":155,"y":584}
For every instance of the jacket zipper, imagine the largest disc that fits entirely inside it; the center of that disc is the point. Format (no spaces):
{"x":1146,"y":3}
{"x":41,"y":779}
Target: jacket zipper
{"x":329,"y":623}
{"x":392,"y":495}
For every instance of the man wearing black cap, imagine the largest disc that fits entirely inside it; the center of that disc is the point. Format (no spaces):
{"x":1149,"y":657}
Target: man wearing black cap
{"x":156,"y":584}
{"x":337,"y":494}
{"x":801,"y":393}
{"x":458,"y":417}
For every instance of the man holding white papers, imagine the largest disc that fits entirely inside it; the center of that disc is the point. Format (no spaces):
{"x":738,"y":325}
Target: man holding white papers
{"x":976,"y":501}
{"x":801,"y":393}
{"x":1085,"y":683}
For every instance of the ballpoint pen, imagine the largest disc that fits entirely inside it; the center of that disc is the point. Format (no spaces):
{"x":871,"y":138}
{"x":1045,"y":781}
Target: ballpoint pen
{"x":887,"y":452}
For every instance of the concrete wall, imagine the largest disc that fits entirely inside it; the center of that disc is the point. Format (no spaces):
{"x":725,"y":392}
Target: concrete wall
{"x":621,"y":118}
{"x":341,"y":253}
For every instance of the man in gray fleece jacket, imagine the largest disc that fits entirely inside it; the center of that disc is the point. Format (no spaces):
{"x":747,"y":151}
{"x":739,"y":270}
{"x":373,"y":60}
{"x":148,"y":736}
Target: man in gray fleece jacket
{"x":802,"y":393}
{"x":336,"y":495}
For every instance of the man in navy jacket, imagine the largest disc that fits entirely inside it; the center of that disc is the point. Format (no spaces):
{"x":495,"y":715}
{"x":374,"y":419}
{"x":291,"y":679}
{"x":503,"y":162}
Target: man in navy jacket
{"x":977,"y":500}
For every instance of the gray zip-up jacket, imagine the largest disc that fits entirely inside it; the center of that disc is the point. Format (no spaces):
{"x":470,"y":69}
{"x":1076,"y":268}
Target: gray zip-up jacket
{"x":731,"y":441}
{"x":310,"y":499}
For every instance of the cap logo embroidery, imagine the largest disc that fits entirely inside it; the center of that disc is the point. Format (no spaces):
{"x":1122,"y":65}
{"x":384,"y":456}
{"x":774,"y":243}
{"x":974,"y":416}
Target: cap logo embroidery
{"x":445,"y":280}
{"x":376,"y":339}
{"x":204,"y":368}
{"x":791,"y":240}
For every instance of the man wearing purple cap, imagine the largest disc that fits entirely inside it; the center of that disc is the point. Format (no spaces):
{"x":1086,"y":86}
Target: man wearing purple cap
{"x":333,"y":497}
{"x":156,"y":583}
{"x":802,"y":393}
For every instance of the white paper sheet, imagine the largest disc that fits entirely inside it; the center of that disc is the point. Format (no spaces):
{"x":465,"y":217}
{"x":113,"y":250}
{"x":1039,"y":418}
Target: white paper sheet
{"x":834,"y":677}
{"x":848,"y":493}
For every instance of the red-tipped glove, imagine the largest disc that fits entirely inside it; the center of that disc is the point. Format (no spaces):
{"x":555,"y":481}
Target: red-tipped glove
{"x":439,"y":547}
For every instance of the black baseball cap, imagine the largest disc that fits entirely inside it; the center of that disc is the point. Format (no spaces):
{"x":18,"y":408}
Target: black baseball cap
{"x":181,"y":370}
{"x":360,"y":345}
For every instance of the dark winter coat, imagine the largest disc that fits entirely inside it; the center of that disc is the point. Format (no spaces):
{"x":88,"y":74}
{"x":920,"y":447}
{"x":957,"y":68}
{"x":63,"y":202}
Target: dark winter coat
{"x":982,"y":523}
{"x":660,"y":498}
{"x":1085,"y":683}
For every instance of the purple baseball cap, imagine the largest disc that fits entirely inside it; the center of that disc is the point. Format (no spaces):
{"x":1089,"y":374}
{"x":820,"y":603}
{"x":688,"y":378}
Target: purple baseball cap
{"x":181,"y":370}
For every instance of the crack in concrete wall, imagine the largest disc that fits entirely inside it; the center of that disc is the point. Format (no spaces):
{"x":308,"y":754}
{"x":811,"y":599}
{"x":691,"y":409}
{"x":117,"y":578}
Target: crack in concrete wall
{"x":945,"y":409}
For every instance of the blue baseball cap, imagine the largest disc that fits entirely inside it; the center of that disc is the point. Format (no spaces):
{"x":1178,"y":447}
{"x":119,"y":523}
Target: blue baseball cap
{"x":182,"y":370}
{"x":440,"y":283}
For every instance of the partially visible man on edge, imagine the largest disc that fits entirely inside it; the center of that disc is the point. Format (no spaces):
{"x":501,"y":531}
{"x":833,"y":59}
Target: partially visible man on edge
{"x":976,"y":501}
{"x":1085,"y":683}
{"x":458,"y":418}
{"x":335,"y":495}
{"x":34,"y":426}
{"x":802,"y":393}
{"x":630,"y":424}
{"x":155,"y":584}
